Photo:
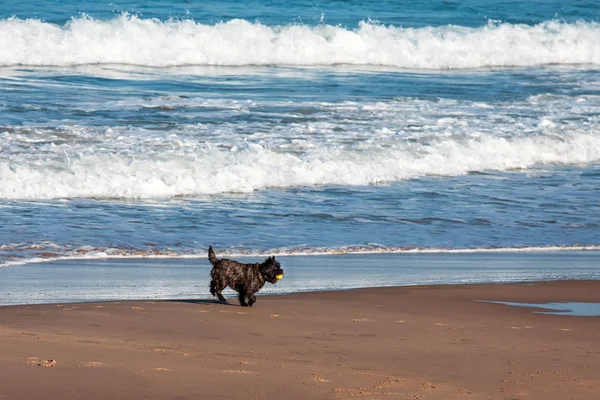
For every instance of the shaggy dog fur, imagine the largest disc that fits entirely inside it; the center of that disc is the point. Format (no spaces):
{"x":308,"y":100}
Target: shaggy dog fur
{"x":246,"y":279}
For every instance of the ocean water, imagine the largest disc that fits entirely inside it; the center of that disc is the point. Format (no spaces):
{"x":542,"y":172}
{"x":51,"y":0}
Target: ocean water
{"x":157,"y":128}
{"x":64,"y":281}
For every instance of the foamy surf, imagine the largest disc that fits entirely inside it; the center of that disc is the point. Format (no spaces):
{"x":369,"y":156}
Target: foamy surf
{"x":34,"y":254}
{"x":206,"y":170}
{"x":133,"y":40}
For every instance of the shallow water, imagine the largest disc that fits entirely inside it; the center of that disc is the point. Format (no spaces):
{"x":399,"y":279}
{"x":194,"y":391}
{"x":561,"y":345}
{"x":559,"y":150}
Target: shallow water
{"x":160,"y":128}
{"x":572,"y":308}
{"x":96,"y":280}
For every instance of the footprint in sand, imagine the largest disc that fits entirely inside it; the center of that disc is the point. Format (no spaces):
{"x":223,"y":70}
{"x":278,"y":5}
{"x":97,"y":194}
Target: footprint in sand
{"x":363,"y":320}
{"x":440,"y":324}
{"x":426,"y":386}
{"x":46,"y":363}
{"x":566,"y":329}
{"x":160,"y":350}
{"x":98,"y":306}
{"x":137,"y":308}
{"x":162,"y":369}
{"x":318,"y":377}
{"x":40,"y":363}
{"x":275,"y":315}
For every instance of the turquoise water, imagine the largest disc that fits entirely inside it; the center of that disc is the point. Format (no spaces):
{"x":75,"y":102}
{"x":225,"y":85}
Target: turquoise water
{"x":158,"y":128}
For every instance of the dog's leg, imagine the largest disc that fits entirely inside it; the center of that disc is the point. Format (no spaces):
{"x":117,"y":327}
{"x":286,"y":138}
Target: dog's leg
{"x":213,"y":288}
{"x":251,"y":299}
{"x":219,"y":286}
{"x":220,"y":296}
{"x":242,"y":297}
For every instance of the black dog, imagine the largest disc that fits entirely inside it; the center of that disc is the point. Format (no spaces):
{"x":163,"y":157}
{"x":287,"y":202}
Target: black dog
{"x":246,"y":279}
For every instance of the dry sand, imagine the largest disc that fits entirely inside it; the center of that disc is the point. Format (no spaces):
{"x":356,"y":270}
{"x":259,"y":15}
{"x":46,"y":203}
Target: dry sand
{"x":430,"y":342}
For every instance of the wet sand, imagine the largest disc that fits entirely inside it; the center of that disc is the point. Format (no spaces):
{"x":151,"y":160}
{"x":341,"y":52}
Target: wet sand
{"x":422,"y":342}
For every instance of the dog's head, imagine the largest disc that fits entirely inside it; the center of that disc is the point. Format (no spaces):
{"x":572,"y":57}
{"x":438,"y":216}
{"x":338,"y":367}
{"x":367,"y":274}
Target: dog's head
{"x":271,"y":270}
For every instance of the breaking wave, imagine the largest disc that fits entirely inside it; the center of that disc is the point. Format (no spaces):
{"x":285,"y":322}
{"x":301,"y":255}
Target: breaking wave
{"x":207,"y":170}
{"x":132,"y":40}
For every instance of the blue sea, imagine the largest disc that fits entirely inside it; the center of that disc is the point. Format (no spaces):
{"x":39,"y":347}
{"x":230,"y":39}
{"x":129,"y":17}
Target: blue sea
{"x":153,"y":129}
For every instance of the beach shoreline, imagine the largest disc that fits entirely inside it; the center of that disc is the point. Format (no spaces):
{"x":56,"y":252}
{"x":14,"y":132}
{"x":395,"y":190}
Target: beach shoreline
{"x":154,"y":279}
{"x":419,"y":342}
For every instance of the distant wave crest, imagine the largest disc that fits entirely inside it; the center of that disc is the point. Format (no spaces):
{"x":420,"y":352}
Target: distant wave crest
{"x":132,"y":40}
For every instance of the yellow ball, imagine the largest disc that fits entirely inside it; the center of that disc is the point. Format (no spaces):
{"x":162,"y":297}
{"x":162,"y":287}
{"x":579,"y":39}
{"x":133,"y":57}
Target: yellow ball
{"x":279,"y":277}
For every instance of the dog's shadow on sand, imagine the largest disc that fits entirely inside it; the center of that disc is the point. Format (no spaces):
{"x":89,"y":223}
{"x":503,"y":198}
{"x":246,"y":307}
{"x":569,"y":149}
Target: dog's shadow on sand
{"x":212,"y":302}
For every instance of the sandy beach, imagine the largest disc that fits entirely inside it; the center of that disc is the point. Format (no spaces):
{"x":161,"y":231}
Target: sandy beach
{"x":421,"y":342}
{"x":413,"y":166}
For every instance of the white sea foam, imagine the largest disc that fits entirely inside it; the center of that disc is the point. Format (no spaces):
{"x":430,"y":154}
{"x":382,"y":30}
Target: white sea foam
{"x":248,"y":167}
{"x":347,"y":143}
{"x":150,"y":42}
{"x":91,"y":253}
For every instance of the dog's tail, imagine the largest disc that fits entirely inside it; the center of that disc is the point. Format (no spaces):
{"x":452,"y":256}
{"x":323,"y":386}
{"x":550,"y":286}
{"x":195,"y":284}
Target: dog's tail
{"x":211,"y":256}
